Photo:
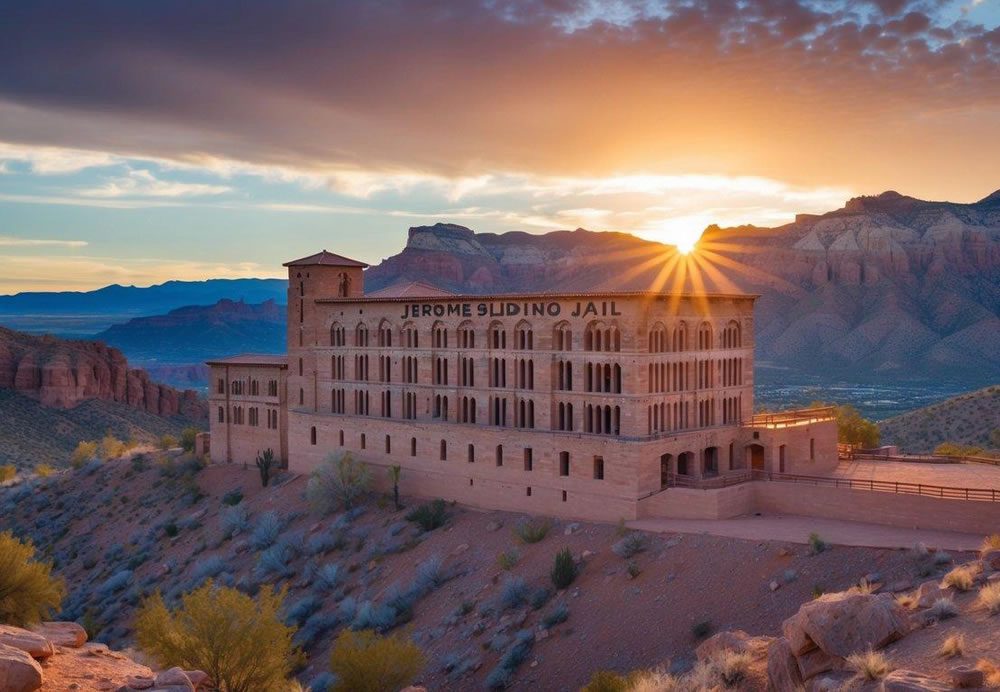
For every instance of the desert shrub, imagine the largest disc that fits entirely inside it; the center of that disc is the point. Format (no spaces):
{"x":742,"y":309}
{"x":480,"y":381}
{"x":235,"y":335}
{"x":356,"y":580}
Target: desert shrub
{"x":633,"y":569}
{"x":84,"y":452}
{"x":239,"y":641}
{"x":323,"y":682}
{"x":941,"y":558}
{"x":555,"y":616}
{"x":321,"y":544}
{"x":607,"y":681}
{"x":513,"y":593}
{"x":273,"y":563}
{"x":700,"y":630}
{"x":233,"y":497}
{"x":563,"y":570}
{"x":171,"y":529}
{"x":517,"y":653}
{"x":266,"y":532}
{"x":300,"y":611}
{"x":991,"y":542}
{"x":42,"y":471}
{"x":167,"y":442}
{"x":989,"y":597}
{"x":338,"y":482}
{"x":817,"y":544}
{"x":368,"y":662}
{"x":539,"y":597}
{"x":187,"y":438}
{"x":7,"y":472}
{"x":115,"y":583}
{"x":953,"y":646}
{"x":430,"y":515}
{"x":209,"y":568}
{"x":28,"y":592}
{"x":110,"y":448}
{"x":328,"y":577}
{"x":371,"y":616}
{"x":869,"y":665}
{"x":961,"y":578}
{"x":235,"y":520}
{"x":942,"y":609}
{"x":532,"y":532}
{"x":507,"y":559}
{"x":629,"y":546}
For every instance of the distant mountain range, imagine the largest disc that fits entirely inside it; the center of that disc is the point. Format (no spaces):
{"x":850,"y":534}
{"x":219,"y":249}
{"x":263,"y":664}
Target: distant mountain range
{"x":887,"y":288}
{"x":87,"y":312}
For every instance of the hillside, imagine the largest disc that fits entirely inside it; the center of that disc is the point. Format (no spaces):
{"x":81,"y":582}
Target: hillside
{"x":194,"y":334}
{"x":31,"y":433}
{"x":120,"y":530}
{"x":968,"y":420}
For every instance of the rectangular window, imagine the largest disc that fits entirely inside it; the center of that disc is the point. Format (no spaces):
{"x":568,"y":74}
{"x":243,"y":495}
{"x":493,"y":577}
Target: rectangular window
{"x":563,"y":463}
{"x":499,"y":455}
{"x":222,"y":415}
{"x":599,"y":468}
{"x":528,"y":491}
{"x":812,"y":449}
{"x":472,"y":454}
{"x":362,"y":440}
{"x":222,"y":387}
{"x":528,"y":460}
{"x":444,"y":450}
{"x":564,"y":495}
{"x":388,"y":445}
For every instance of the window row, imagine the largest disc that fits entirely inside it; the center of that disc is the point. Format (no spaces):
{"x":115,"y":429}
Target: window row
{"x":662,"y":339}
{"x":252,"y":387}
{"x":249,"y":416}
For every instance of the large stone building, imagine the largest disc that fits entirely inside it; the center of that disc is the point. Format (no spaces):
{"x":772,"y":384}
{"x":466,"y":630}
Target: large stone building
{"x":577,"y":404}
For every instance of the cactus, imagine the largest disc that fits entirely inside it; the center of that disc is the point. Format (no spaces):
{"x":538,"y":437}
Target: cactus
{"x":394,"y":472}
{"x":265,"y":462}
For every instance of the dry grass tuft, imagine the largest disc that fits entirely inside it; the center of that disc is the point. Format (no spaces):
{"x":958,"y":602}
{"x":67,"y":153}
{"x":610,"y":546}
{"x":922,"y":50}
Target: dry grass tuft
{"x":989,"y":597}
{"x":953,"y":646}
{"x":962,"y":578}
{"x":943,"y":609}
{"x":869,"y":665}
{"x":724,"y":671}
{"x":991,"y":542}
{"x":991,"y":672}
{"x":908,"y":600}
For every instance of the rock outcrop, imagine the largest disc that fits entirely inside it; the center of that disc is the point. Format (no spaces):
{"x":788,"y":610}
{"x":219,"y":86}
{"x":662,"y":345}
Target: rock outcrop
{"x":61,"y":374}
{"x":18,"y":671}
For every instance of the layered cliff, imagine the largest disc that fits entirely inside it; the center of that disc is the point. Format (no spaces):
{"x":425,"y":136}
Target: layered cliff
{"x":888,"y":285}
{"x":62,"y":374}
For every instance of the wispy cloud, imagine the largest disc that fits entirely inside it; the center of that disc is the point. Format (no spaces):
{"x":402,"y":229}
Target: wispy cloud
{"x":52,"y":160}
{"x":142,"y":183}
{"x":9,"y":241}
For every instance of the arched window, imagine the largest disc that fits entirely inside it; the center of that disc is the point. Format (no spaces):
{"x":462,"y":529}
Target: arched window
{"x":466,"y":335}
{"x":704,"y":336}
{"x":562,"y":337}
{"x":439,"y":335}
{"x":680,"y":337}
{"x":657,"y":338}
{"x":600,"y":337}
{"x":411,"y":337}
{"x":361,"y":334}
{"x":496,"y":335}
{"x":731,"y":336}
{"x":384,"y":334}
{"x":524,"y":336}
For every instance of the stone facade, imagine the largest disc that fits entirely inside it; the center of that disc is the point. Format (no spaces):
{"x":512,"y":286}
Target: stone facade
{"x":571,"y":404}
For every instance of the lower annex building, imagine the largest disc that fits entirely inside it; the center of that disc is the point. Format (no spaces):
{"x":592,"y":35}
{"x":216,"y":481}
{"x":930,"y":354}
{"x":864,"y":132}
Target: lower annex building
{"x":585,"y":405}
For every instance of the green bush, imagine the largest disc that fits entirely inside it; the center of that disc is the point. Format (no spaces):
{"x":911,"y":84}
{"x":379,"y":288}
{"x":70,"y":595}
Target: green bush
{"x":530,"y":532}
{"x":338,"y":482}
{"x":817,"y":544}
{"x":239,"y":641}
{"x":110,"y":448}
{"x":563,"y":570}
{"x":167,"y":442}
{"x":84,"y":452}
{"x":430,"y":515}
{"x":187,"y":438}
{"x":28,"y":593}
{"x":364,"y":661}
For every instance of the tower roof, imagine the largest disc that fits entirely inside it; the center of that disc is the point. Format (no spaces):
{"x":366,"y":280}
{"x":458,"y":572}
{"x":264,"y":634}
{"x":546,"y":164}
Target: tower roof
{"x":325,"y":258}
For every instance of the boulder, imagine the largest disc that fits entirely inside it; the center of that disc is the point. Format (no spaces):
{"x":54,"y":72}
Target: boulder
{"x":19,"y":672}
{"x":62,"y":633}
{"x":199,"y":679}
{"x":910,"y":681}
{"x":173,"y":679}
{"x":966,"y":676}
{"x":137,"y":682}
{"x":929,"y":592}
{"x":732,"y":640}
{"x":817,"y":661}
{"x":35,"y":645}
{"x":782,"y":669}
{"x":843,"y":623}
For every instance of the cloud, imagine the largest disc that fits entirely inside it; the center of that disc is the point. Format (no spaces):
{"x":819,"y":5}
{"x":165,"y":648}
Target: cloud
{"x":833,"y":92}
{"x":8,"y":241}
{"x":142,"y":183}
{"x":54,"y":160}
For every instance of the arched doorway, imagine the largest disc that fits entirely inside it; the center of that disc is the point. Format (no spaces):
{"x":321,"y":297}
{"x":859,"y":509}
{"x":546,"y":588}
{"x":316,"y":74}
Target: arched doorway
{"x":685,"y":463}
{"x":755,"y":455}
{"x":665,"y":462}
{"x":711,"y":461}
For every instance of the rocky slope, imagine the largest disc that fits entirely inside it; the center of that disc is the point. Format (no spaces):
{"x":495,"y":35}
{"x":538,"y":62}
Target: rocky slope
{"x":198,"y":333}
{"x":120,"y":530}
{"x":62,"y":374}
{"x":886,"y":286}
{"x":969,"y":420}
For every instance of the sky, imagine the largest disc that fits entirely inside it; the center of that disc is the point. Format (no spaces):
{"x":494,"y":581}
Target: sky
{"x":178,"y":139}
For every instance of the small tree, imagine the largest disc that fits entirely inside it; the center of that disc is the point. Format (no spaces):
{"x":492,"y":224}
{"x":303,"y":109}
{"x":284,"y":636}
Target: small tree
{"x":563,"y":571}
{"x":7,"y":472}
{"x":187,"y":438}
{"x":852,"y":427}
{"x":240,"y":642}
{"x":167,"y":442}
{"x":394,"y":472}
{"x":364,"y":661}
{"x":28,"y":593}
{"x":111,"y":448}
{"x":84,"y":452}
{"x":337,"y":482}
{"x":265,"y":462}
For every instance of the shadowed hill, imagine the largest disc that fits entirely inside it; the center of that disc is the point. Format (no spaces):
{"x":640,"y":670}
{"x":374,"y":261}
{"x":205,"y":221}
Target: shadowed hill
{"x":968,"y":420}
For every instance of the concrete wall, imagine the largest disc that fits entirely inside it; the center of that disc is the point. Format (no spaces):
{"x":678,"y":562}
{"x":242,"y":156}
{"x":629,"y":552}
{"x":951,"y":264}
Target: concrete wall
{"x":890,"y":509}
{"x":688,"y":503}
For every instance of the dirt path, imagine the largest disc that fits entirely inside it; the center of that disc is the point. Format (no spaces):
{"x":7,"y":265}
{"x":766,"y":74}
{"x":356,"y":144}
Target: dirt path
{"x":796,"y":529}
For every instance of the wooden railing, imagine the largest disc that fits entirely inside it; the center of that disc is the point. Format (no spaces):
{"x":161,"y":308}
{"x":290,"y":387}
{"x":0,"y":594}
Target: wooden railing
{"x":782,"y":419}
{"x":676,"y":480}
{"x":899,"y":487}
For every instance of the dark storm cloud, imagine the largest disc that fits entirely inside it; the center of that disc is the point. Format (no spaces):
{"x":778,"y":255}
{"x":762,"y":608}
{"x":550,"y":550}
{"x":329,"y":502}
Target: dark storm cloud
{"x":448,"y":87}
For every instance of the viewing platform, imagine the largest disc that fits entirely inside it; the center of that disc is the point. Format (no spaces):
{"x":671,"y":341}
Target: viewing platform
{"x":796,"y":417}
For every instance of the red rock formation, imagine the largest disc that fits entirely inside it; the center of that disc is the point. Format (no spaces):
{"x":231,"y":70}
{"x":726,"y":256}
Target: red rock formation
{"x":62,"y":374}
